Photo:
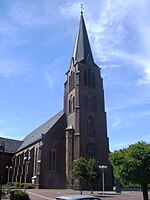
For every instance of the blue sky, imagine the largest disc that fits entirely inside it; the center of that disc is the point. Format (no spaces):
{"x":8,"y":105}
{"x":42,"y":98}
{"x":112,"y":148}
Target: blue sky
{"x":36,"y":44}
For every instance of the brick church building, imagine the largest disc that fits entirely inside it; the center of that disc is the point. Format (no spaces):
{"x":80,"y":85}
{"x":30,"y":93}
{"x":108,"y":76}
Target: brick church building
{"x":80,"y":130}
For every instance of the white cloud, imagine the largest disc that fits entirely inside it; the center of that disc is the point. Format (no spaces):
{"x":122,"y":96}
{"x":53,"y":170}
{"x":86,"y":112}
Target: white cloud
{"x":147,"y":138}
{"x":124,"y":142}
{"x":31,"y":14}
{"x":6,"y":121}
{"x":10,"y":36}
{"x":20,"y":18}
{"x":50,"y":79}
{"x":116,"y":122}
{"x":21,"y":23}
{"x":122,"y":120}
{"x":114,"y":28}
{"x":52,"y":76}
{"x":12,"y":68}
{"x":137,"y":61}
{"x":145,"y":79}
{"x":120,"y":145}
{"x":5,"y":131}
{"x":70,"y":9}
{"x":120,"y":35}
{"x":145,"y":113}
{"x":6,"y":27}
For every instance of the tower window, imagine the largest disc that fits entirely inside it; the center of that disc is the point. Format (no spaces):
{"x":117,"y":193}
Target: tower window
{"x":89,"y":77}
{"x":90,"y":150}
{"x":90,"y":102}
{"x":86,"y":102}
{"x":69,"y":106}
{"x":71,"y":81}
{"x":94,"y":104}
{"x":90,"y":127}
{"x":85,"y":77}
{"x":71,"y":103}
{"x":93,"y":79}
{"x":52,"y":164}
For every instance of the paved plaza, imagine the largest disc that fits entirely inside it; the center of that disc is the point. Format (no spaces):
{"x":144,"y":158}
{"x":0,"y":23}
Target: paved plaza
{"x":51,"y":194}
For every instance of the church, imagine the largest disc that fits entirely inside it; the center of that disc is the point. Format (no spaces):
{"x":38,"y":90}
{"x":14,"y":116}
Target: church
{"x":46,"y":155}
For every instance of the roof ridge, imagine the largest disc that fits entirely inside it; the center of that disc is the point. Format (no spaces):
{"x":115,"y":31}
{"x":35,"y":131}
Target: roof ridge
{"x":36,"y":134}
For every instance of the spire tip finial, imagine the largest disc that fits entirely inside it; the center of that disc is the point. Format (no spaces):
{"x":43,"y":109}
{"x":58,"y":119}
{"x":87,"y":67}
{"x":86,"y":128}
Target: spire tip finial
{"x":81,"y":6}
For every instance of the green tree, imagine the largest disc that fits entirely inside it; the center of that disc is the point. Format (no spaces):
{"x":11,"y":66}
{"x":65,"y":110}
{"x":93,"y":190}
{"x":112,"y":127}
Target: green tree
{"x":85,"y":171}
{"x":92,"y":173}
{"x":79,"y":171}
{"x":132,"y":165}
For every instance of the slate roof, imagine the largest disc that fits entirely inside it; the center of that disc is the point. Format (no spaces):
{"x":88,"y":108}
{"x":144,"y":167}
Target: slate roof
{"x":36,"y":135}
{"x":82,"y":47}
{"x":10,"y":145}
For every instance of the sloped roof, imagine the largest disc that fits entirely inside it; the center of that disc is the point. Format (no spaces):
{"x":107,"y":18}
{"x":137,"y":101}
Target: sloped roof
{"x":82,"y":47}
{"x":36,"y":135}
{"x":10,"y":145}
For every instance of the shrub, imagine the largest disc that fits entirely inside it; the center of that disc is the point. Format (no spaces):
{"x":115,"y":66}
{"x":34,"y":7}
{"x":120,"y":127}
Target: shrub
{"x":28,"y":186}
{"x":20,"y":195}
{"x":18,"y":185}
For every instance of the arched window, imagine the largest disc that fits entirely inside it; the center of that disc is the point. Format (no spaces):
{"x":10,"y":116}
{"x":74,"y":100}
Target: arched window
{"x":86,"y":102}
{"x":90,"y":150}
{"x":85,"y":77}
{"x":90,"y":102}
{"x":89,"y":77}
{"x":71,"y":81}
{"x":94,"y":104}
{"x":73,"y":103}
{"x":71,"y":85}
{"x":52,"y":160}
{"x":69,"y":106}
{"x":93,"y":79}
{"x":90,"y":127}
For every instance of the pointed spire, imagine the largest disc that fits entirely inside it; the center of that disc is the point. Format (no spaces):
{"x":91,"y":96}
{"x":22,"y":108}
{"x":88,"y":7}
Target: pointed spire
{"x":82,"y":48}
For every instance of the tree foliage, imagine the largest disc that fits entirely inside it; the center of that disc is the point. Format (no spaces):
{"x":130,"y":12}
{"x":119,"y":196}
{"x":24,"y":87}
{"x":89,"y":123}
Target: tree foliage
{"x":79,"y":171}
{"x":92,"y":172}
{"x":132,"y":165}
{"x":85,"y":171}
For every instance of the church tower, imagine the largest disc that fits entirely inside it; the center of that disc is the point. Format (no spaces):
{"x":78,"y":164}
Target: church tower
{"x":86,"y":132}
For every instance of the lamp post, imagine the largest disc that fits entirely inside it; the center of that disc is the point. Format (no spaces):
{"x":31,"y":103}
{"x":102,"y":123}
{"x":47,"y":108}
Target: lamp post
{"x":26,"y":163}
{"x":103,"y":168}
{"x":2,"y":149}
{"x":9,"y":168}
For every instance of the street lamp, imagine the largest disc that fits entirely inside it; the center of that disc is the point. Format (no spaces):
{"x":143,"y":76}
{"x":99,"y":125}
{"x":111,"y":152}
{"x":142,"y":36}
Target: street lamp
{"x":8,"y":174}
{"x":26,"y":163}
{"x":2,"y":150}
{"x":103,"y":168}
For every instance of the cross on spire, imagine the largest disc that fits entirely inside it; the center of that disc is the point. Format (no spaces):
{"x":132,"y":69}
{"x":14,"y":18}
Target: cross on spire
{"x":81,"y":6}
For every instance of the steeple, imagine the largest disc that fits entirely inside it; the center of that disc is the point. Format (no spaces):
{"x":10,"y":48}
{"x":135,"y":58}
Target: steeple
{"x":84,"y":108}
{"x":82,"y":47}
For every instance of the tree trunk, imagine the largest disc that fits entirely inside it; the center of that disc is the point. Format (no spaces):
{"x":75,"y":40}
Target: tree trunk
{"x":145,"y":191}
{"x":80,"y":188}
{"x":91,"y":190}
